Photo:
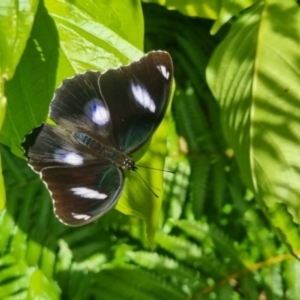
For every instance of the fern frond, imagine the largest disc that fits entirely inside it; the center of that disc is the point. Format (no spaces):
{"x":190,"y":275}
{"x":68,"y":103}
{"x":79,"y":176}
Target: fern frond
{"x":223,"y":244}
{"x":163,"y":265}
{"x":200,"y":168}
{"x":176,"y":191}
{"x":180,"y":248}
{"x":134,"y":283}
{"x":291,"y":275}
{"x":14,"y":278}
{"x":219,"y":185}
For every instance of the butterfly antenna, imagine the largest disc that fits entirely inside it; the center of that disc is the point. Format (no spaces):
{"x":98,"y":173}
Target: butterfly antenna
{"x":147,"y":185}
{"x":162,"y":170}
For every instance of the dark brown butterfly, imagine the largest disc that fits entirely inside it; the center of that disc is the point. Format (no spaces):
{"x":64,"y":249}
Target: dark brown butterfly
{"x":101,"y":120}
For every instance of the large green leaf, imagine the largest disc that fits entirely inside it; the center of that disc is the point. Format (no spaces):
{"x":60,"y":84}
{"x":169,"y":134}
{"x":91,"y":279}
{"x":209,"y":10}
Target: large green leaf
{"x":254,"y":75}
{"x":220,"y":10}
{"x":194,"y":8}
{"x":69,"y":38}
{"x":138,"y":198}
{"x":228,"y":9}
{"x":16,"y":21}
{"x":3,"y":103}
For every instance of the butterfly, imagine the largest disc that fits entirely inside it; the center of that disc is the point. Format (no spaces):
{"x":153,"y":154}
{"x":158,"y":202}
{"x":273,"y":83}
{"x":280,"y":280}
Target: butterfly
{"x":101,"y":120}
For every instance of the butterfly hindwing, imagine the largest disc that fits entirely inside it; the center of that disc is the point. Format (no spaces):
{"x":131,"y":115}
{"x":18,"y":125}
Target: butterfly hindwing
{"x":83,"y":186}
{"x":82,"y":194}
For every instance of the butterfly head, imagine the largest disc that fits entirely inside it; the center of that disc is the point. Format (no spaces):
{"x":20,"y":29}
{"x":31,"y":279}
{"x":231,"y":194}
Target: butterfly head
{"x":129,"y":164}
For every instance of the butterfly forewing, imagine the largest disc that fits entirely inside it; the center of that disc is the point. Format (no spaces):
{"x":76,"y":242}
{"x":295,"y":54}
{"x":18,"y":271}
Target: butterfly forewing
{"x":141,"y":91}
{"x":79,"y":106}
{"x":55,"y":146}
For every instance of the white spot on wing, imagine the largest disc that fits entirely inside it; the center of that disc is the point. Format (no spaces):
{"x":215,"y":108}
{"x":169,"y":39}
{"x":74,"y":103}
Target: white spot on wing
{"x":88,"y":193}
{"x":97,"y":112}
{"x":80,"y":216}
{"x":67,"y":157}
{"x":163,"y":70}
{"x":143,"y":97}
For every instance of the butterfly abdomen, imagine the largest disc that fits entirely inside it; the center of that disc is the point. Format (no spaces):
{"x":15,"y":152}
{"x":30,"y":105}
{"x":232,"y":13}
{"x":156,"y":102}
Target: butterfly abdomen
{"x":85,"y":140}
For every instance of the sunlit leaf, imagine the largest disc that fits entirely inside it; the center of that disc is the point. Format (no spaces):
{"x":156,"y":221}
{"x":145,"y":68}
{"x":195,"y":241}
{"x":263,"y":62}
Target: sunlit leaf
{"x":16,"y":19}
{"x":253,"y":74}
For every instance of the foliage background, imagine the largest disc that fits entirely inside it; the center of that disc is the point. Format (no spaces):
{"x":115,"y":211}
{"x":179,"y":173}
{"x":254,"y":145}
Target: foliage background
{"x":229,"y":220}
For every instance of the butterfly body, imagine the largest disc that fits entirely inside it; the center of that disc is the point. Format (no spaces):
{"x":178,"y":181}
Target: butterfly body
{"x":101,"y":120}
{"x":120,"y":159}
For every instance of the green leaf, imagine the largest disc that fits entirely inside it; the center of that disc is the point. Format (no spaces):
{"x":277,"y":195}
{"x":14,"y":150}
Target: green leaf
{"x":3,"y":103}
{"x":14,"y":277}
{"x":291,"y":273}
{"x":229,"y":9}
{"x":16,"y":19}
{"x":135,"y":283}
{"x":193,"y":8}
{"x":221,"y":11}
{"x":253,"y":74}
{"x":137,"y":198}
{"x":40,"y":287}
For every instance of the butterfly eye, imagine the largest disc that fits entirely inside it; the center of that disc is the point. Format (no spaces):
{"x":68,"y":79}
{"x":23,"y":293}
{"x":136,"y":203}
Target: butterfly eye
{"x":97,"y":112}
{"x":142,"y":96}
